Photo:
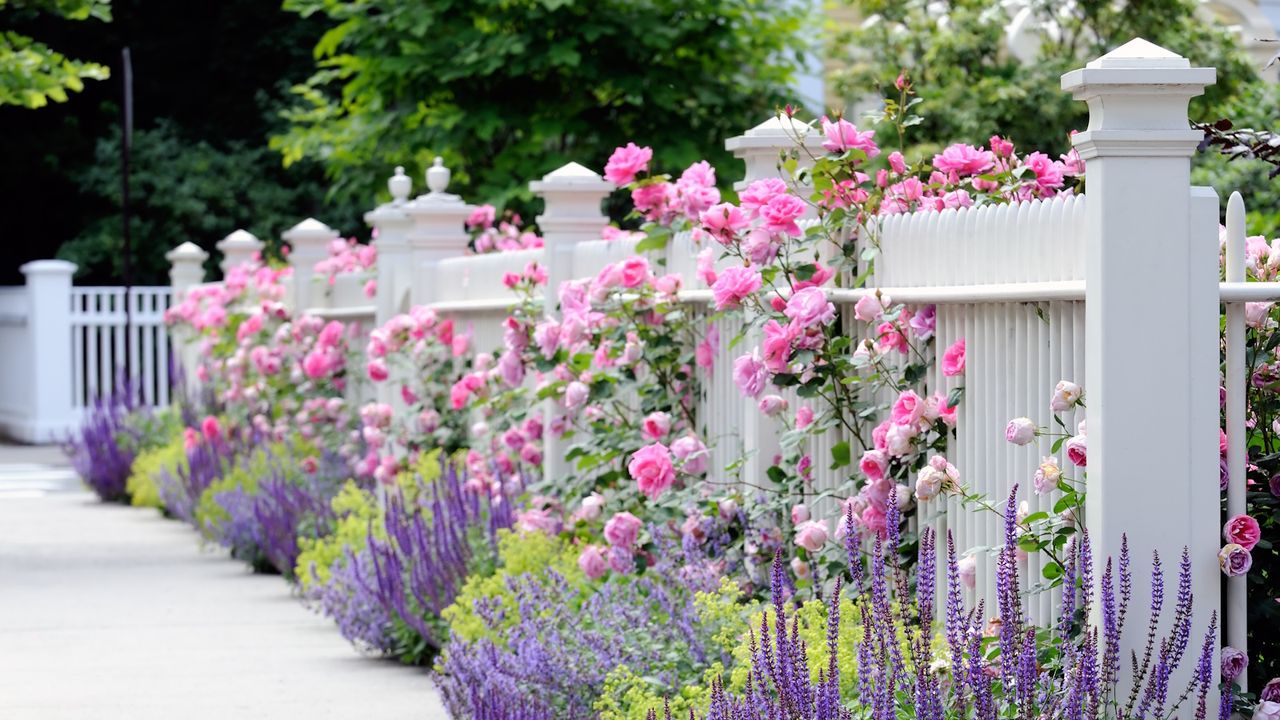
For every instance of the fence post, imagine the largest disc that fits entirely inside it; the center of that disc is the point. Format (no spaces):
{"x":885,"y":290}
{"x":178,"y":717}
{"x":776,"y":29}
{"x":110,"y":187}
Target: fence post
{"x":238,"y":248}
{"x":572,"y":214}
{"x":437,"y":232}
{"x":1151,"y":257}
{"x":761,"y":148}
{"x":186,"y":268}
{"x":391,"y":224}
{"x":310,"y":241}
{"x":53,"y":413}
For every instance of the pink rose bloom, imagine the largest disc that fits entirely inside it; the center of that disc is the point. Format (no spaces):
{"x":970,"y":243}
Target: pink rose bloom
{"x":635,"y":271}
{"x":843,"y":136}
{"x":750,"y":375}
{"x":211,"y":428}
{"x":873,"y":519}
{"x":575,"y":393}
{"x":891,"y":338}
{"x":1234,"y":663}
{"x":781,"y":213}
{"x":953,"y":359}
{"x":1047,"y":475}
{"x":625,"y":162}
{"x":812,"y":535}
{"x":592,"y":562}
{"x":968,"y":567}
{"x":190,"y":439}
{"x":656,"y":426}
{"x":908,"y":409}
{"x":668,"y":284}
{"x":1267,"y":710}
{"x":777,"y":345}
{"x":799,"y":514}
{"x":1066,"y":395}
{"x":1271,"y":694}
{"x":1077,"y":451}
{"x":511,"y":368}
{"x":1020,"y":431}
{"x":538,"y":520}
{"x":481,"y":218}
{"x":692,"y":453}
{"x":706,"y":266}
{"x":800,"y":568}
{"x":1243,"y":531}
{"x":622,"y":530}
{"x":531,"y":455}
{"x":873,"y":464}
{"x":377,"y":369}
{"x":897,"y":163}
{"x":653,"y":199}
{"x":734,"y":285}
{"x":1234,"y":560}
{"x":1048,"y":172}
{"x":869,"y":308}
{"x":724,"y":221}
{"x":963,"y":160}
{"x":650,"y":467}
{"x":759,"y":193}
{"x":804,"y":417}
{"x":592,"y":506}
{"x":772,"y":405}
{"x":809,"y":308}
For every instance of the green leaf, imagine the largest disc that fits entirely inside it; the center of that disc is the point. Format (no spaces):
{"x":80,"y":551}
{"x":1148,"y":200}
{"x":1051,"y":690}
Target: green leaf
{"x":1051,"y":571}
{"x":840,"y":455}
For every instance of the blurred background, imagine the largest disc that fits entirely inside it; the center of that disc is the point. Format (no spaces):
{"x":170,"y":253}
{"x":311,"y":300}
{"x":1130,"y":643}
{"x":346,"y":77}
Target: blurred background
{"x":251,"y":114}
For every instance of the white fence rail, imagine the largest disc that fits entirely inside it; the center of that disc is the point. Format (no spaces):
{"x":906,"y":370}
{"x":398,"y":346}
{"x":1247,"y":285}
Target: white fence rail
{"x":1084,"y":290}
{"x":103,"y":346}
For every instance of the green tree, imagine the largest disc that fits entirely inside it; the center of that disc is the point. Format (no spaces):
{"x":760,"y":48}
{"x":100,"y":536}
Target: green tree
{"x":972,"y":86}
{"x":507,"y":90}
{"x":31,"y":72}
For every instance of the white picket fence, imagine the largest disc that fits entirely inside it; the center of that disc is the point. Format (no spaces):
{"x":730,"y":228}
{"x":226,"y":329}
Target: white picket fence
{"x":1117,"y":292}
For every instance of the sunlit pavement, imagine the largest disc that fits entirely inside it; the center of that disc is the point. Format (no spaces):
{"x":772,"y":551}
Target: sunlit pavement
{"x":114,"y":612}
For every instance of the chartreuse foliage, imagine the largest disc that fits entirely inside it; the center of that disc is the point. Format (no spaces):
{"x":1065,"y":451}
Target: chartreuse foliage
{"x":143,"y":487}
{"x":357,"y":509}
{"x":509,"y":90}
{"x":32,"y":73}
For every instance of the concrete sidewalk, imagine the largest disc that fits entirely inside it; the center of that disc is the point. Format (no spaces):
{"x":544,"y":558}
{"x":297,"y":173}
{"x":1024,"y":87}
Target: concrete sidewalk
{"x":111,"y":612}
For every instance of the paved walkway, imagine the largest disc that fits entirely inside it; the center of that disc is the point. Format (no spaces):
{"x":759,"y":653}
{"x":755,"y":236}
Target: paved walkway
{"x":108,"y":612}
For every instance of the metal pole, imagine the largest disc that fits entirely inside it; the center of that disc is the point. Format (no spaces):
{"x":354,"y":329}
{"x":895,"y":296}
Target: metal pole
{"x":126,"y":146}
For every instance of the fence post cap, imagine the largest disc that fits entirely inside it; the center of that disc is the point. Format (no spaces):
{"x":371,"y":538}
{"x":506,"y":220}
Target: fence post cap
{"x":48,"y":267}
{"x":239,"y":239}
{"x":436,"y":200}
{"x":571,"y":176}
{"x":779,"y":131}
{"x":1138,"y":63}
{"x":187,"y":251}
{"x":389,"y":213}
{"x":400,"y":185}
{"x":310,"y":229}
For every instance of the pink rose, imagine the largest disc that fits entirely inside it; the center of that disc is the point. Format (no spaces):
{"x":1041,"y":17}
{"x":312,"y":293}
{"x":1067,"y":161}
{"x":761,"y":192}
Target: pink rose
{"x":1066,"y":395}
{"x":1077,"y":451}
{"x":1234,"y":663}
{"x":968,"y":568}
{"x":1267,"y":710}
{"x":811,"y":535}
{"x":734,"y":285}
{"x":1020,"y":431}
{"x":953,"y":359}
{"x":621,"y":560}
{"x":724,"y":221}
{"x":908,"y":409}
{"x":809,"y":308}
{"x":873,"y":464}
{"x":538,"y":520}
{"x":777,"y":345}
{"x":377,"y":369}
{"x":190,"y":439}
{"x":759,"y":193}
{"x":1243,"y":531}
{"x":692,"y":453}
{"x":772,"y":405}
{"x":575,"y":393}
{"x":635,"y":271}
{"x":1271,"y":693}
{"x":897,"y":163}
{"x":799,"y":514}
{"x":781,"y":212}
{"x":963,"y":160}
{"x":842,"y":136}
{"x":592,"y":506}
{"x":750,"y":375}
{"x":622,"y":530}
{"x":800,"y":568}
{"x":706,"y":266}
{"x":1047,"y":476}
{"x":625,"y":162}
{"x":656,"y":426}
{"x":211,"y":428}
{"x":650,"y":467}
{"x":804,"y":417}
{"x":592,"y":563}
{"x":1234,"y":560}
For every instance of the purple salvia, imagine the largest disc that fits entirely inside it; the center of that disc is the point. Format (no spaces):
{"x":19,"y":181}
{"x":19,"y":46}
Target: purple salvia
{"x":1086,"y":573}
{"x":1204,"y":667}
{"x":925,"y":578}
{"x":1009,"y":599}
{"x":1027,"y":674}
{"x":1157,"y":603}
{"x":1110,"y":629}
{"x":955,"y":624}
{"x":1070,"y":578}
{"x":853,"y":547}
{"x":983,"y":702}
{"x":1126,"y":583}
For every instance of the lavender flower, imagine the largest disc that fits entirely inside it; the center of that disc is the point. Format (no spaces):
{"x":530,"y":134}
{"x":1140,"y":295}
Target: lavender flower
{"x":103,"y":448}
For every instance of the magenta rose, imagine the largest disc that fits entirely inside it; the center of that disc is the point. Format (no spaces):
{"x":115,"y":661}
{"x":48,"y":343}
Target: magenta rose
{"x":622,"y":529}
{"x":651,"y":468}
{"x":1243,"y":531}
{"x":1078,"y":451}
{"x":1234,"y":560}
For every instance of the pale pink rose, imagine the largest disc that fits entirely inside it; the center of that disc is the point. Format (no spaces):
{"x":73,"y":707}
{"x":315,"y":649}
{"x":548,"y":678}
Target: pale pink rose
{"x":773,"y":405}
{"x":812,"y":535}
{"x":622,"y":530}
{"x":842,"y":136}
{"x":908,"y":409}
{"x":1047,"y":475}
{"x":635,"y":271}
{"x":734,"y":285}
{"x":800,"y":568}
{"x":869,"y":308}
{"x":953,"y":359}
{"x":750,"y":374}
{"x":1267,"y":710}
{"x":724,"y":221}
{"x":1234,"y":560}
{"x":799,"y":514}
{"x":897,"y":441}
{"x":968,"y":568}
{"x":592,"y":506}
{"x":669,"y":284}
{"x":656,"y":426}
{"x":592,"y":562}
{"x":1242,"y":530}
{"x":651,"y":468}
{"x":511,"y":368}
{"x":692,"y":454}
{"x":1077,"y":451}
{"x":610,"y":276}
{"x":873,"y":464}
{"x":728,"y":508}
{"x":1256,"y":313}
{"x":1066,"y":395}
{"x":929,"y":482}
{"x":809,"y":308}
{"x":625,"y":162}
{"x":692,"y":528}
{"x":804,"y":417}
{"x":873,"y":519}
{"x":575,"y":393}
{"x":538,"y":520}
{"x":963,"y":160}
{"x":1020,"y":431}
